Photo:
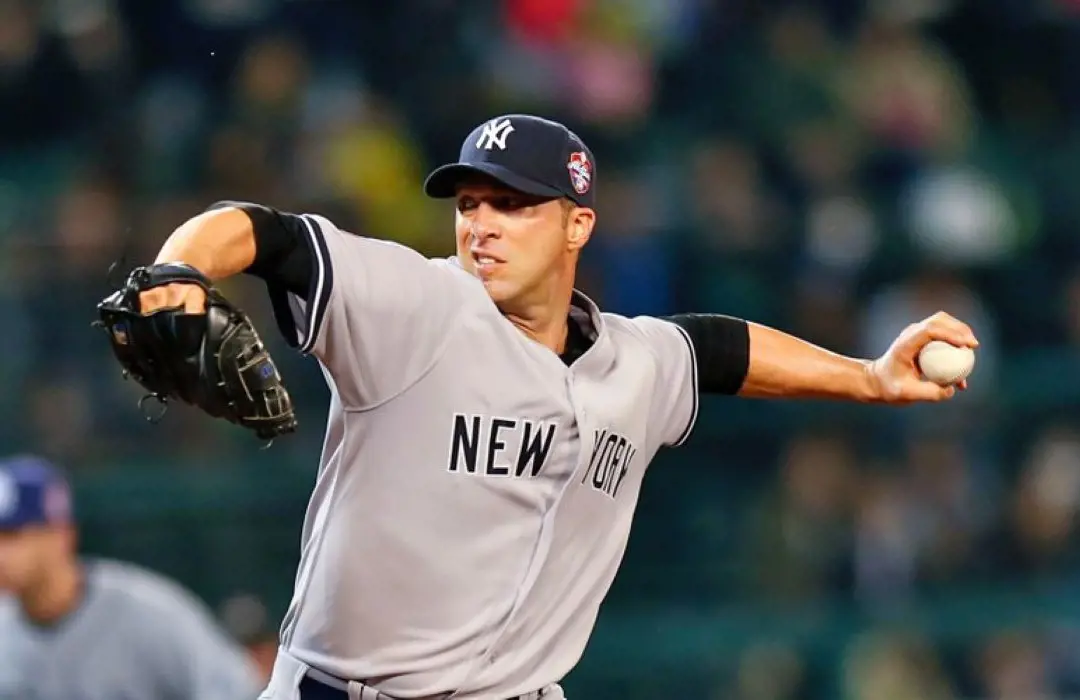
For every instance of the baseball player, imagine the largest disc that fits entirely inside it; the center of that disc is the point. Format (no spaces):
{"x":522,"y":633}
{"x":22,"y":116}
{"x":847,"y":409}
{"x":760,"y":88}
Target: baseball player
{"x":489,"y":426}
{"x":95,"y":629}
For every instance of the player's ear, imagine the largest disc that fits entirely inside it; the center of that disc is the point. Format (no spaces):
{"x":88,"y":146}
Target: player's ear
{"x":580,"y":223}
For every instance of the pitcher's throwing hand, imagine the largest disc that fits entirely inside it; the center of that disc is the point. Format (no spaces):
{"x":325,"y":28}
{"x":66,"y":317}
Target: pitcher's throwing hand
{"x":898,"y":372}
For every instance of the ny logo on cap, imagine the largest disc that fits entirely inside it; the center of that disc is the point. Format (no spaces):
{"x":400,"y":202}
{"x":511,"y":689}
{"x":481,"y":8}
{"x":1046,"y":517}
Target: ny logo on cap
{"x":494,"y":135}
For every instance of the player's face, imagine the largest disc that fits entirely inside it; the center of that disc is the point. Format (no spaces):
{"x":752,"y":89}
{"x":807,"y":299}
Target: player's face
{"x":24,"y":556}
{"x":514,"y":242}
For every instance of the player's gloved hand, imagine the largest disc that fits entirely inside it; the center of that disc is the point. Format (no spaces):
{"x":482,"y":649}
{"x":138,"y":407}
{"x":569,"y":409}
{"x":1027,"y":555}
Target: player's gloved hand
{"x":896,"y":373}
{"x":176,"y":335}
{"x":177,"y":295}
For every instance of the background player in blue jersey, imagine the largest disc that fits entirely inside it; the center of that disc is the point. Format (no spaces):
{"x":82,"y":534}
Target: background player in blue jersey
{"x":94,"y":629}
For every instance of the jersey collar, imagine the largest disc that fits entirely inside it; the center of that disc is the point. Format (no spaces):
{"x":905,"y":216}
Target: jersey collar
{"x":586,"y":313}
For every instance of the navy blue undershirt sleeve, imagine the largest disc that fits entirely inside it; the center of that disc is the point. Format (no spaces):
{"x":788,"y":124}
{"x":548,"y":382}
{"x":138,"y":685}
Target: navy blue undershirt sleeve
{"x":282,"y":251}
{"x":284,"y":259}
{"x":721,"y":348}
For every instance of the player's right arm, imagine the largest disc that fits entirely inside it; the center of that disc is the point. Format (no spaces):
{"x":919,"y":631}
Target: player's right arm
{"x":375,"y":313}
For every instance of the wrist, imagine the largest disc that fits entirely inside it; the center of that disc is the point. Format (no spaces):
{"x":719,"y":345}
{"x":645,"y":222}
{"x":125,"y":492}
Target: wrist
{"x":871,"y":389}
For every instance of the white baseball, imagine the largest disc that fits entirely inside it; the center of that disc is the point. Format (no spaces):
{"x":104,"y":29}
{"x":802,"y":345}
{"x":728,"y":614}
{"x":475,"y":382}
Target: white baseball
{"x":945,"y":364}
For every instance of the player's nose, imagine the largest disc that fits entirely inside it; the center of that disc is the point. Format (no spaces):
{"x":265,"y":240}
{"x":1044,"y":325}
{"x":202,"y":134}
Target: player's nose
{"x":480,"y":232}
{"x":486,"y":218}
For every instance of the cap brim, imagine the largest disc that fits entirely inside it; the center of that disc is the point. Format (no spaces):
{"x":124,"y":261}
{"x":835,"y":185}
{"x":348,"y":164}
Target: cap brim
{"x":443,"y":182}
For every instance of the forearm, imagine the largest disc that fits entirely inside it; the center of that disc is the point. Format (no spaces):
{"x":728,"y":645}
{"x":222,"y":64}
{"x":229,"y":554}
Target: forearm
{"x":783,"y":366}
{"x":219,"y":243}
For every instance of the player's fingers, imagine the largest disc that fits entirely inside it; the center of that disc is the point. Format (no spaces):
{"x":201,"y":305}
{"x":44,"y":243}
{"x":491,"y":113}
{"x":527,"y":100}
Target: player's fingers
{"x":153,"y":299}
{"x":962,"y":385}
{"x":913,"y":390}
{"x":189,"y":297}
{"x":927,"y":331}
{"x":942,"y":326}
{"x":194,"y":298}
{"x":929,"y":391}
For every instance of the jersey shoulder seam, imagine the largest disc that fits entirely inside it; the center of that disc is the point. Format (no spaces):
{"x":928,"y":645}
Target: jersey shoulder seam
{"x":437,"y":356}
{"x":629,"y":327}
{"x":617,"y":324}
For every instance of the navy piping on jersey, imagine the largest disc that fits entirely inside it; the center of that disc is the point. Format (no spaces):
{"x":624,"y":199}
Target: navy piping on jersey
{"x":322,"y":284}
{"x":694,"y":378}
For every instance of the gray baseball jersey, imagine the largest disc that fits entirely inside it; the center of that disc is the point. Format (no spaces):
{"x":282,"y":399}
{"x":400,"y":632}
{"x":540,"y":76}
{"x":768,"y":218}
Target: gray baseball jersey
{"x":475,"y":493}
{"x":135,"y":636}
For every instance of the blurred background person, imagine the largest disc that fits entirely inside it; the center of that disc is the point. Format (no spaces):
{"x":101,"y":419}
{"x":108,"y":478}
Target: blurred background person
{"x":246,"y":619}
{"x":94,"y":628}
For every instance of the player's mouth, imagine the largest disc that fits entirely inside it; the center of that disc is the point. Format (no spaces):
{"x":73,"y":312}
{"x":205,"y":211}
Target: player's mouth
{"x":484,"y":262}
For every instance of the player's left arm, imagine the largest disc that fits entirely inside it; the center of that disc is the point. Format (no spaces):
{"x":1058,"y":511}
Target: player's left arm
{"x":718,"y":354}
{"x":784,"y":366}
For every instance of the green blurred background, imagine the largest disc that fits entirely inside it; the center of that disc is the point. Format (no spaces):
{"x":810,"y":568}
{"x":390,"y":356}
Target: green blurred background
{"x":835,"y":168}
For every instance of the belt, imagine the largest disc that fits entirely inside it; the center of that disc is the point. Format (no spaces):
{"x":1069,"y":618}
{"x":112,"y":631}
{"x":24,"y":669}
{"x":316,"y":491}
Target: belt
{"x":318,"y":685}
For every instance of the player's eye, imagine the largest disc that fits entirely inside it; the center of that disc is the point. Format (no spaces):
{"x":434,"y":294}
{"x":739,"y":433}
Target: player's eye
{"x":466,"y":204}
{"x":508,"y":203}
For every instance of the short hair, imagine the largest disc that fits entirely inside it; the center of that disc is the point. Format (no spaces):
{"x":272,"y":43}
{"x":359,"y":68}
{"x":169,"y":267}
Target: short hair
{"x":568,"y":206}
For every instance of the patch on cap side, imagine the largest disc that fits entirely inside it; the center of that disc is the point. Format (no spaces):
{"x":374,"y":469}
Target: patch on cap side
{"x":580,"y":171}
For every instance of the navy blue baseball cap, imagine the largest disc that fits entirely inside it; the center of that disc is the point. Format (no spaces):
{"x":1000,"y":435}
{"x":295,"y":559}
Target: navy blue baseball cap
{"x":32,"y":492}
{"x":527,"y":153}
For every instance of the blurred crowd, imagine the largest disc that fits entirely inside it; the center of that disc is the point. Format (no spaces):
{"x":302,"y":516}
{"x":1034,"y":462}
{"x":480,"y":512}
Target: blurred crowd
{"x":835,"y":168}
{"x":933,"y":523}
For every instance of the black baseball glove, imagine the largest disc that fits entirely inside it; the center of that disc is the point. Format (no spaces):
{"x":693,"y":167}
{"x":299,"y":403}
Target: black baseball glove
{"x":214,"y":360}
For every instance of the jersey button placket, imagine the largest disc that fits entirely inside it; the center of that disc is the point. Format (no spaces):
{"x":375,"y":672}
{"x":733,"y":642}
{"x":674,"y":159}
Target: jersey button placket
{"x":581,"y":416}
{"x":571,"y":392}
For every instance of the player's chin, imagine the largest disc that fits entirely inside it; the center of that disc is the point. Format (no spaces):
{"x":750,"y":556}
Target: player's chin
{"x":501,"y":291}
